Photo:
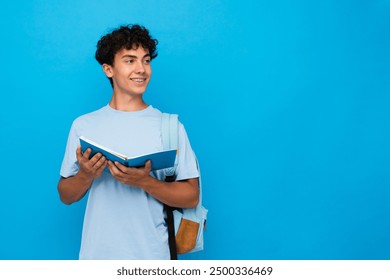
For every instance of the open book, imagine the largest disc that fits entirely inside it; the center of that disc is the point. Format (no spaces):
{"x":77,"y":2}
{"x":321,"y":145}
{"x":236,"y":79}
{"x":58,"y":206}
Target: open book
{"x":160,"y":160}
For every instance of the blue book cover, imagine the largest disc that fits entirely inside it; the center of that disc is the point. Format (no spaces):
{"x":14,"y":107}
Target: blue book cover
{"x":160,"y":160}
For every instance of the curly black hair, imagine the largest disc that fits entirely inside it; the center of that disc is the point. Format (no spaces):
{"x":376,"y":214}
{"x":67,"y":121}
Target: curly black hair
{"x":124,"y":37}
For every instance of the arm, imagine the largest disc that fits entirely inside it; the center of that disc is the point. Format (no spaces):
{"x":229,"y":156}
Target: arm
{"x":74,"y":188}
{"x":183,"y":194}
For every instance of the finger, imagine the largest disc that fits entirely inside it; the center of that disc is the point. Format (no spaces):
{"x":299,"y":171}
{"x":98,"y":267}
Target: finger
{"x":101,"y":162}
{"x":113,"y":169}
{"x":121,"y":167}
{"x":148,"y":166}
{"x":109,"y":167}
{"x":79,"y":154}
{"x":95,"y":159}
{"x":102,"y":167}
{"x":87,"y":153}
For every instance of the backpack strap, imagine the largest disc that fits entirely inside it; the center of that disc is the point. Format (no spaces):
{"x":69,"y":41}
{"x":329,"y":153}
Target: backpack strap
{"x":169,"y":136}
{"x":171,"y":226}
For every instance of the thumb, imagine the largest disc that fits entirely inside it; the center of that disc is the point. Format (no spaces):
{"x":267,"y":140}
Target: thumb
{"x":148,"y":165}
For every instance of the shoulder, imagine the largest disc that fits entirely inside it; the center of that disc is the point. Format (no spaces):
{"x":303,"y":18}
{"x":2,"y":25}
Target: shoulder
{"x":97,"y":113}
{"x":89,"y":118}
{"x":154,"y":112}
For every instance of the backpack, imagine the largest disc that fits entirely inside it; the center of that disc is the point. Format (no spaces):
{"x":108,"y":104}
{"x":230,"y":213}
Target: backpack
{"x":185,"y":226}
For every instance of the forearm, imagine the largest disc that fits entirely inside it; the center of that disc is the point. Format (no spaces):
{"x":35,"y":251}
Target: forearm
{"x":73,"y":188}
{"x":182,"y":194}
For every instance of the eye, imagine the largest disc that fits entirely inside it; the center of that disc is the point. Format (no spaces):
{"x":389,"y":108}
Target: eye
{"x":147,"y":61}
{"x":129,"y":61}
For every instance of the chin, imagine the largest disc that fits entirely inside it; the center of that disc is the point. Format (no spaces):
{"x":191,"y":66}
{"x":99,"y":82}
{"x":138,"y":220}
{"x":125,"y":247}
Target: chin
{"x":137,"y":92}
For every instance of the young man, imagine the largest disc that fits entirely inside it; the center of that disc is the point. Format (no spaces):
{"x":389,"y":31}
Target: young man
{"x":124,"y":217}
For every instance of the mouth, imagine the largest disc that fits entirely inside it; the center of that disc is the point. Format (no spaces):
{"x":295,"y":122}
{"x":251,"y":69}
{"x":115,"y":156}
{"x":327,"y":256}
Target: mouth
{"x":138,"y":80}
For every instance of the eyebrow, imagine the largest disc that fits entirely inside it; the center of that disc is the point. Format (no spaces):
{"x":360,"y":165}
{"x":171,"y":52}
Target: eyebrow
{"x":134,"y":56}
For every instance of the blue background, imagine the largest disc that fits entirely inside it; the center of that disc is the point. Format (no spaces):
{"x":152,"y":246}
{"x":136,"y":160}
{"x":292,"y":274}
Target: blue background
{"x":286,"y":104}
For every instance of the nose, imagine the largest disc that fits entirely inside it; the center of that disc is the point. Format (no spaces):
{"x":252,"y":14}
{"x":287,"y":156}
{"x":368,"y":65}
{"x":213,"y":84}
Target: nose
{"x":140,"y":67}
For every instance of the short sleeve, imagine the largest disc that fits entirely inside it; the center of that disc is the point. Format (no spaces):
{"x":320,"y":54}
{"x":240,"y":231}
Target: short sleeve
{"x":70,"y":165}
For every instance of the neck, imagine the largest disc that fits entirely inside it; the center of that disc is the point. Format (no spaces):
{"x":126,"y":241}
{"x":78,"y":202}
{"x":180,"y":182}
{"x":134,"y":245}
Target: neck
{"x":128,"y":103}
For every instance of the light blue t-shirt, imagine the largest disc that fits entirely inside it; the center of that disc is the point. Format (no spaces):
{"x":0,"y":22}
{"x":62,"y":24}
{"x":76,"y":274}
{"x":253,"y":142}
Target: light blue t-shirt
{"x":122,"y":221}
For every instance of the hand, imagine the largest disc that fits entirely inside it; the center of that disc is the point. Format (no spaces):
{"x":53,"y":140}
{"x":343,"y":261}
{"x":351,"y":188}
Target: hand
{"x":130,"y":175}
{"x":90,"y":168}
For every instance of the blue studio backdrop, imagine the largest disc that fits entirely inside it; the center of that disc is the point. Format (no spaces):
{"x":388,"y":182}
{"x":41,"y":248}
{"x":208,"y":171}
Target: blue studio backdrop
{"x":286,"y":104}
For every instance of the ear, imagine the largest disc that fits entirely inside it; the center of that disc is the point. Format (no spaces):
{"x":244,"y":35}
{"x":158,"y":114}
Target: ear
{"x":107,"y":70}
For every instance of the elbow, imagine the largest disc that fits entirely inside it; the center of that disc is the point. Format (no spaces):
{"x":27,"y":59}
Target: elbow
{"x":65,"y":200}
{"x":188,"y":202}
{"x":194,"y":203}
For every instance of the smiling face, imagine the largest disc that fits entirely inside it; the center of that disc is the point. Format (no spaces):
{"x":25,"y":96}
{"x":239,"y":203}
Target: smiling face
{"x":130,"y":72}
